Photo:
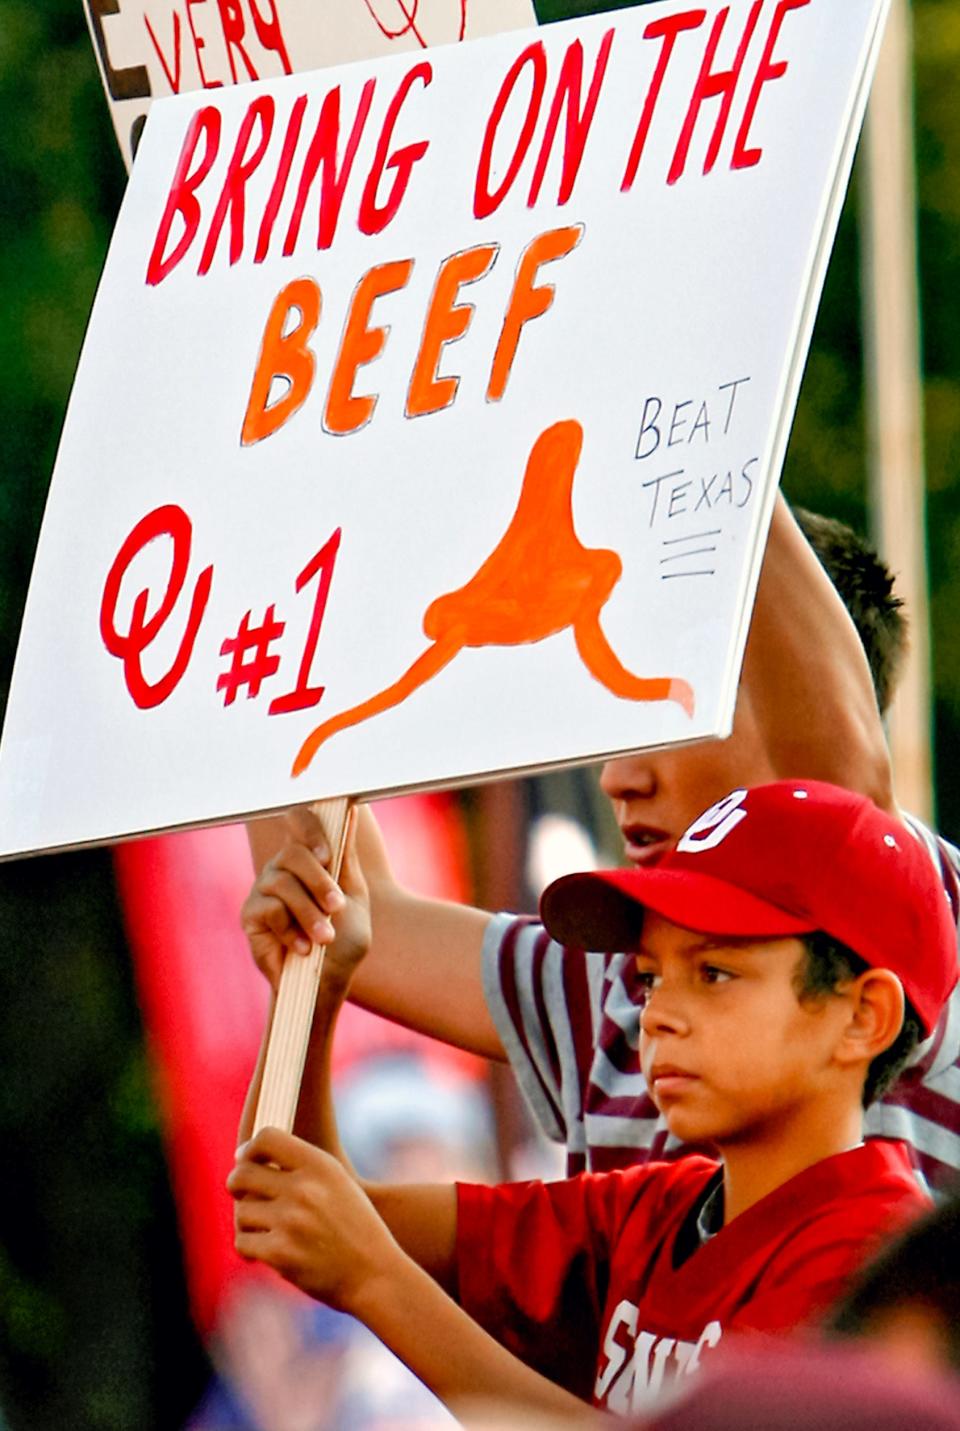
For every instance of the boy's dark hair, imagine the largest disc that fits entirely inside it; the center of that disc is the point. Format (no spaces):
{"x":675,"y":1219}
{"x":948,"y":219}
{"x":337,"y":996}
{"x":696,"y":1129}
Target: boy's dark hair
{"x":918,"y":1270}
{"x":865,"y":586}
{"x":827,"y":963}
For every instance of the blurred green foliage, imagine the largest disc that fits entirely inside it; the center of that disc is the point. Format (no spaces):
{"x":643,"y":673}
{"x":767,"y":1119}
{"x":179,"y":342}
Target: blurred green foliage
{"x":94,"y":1334}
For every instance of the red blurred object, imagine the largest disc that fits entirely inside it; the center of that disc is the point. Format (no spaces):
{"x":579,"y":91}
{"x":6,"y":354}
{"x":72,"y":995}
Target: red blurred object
{"x":204,"y":1003}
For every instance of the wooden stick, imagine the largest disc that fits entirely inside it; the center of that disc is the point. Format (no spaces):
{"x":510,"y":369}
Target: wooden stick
{"x":296,"y":998}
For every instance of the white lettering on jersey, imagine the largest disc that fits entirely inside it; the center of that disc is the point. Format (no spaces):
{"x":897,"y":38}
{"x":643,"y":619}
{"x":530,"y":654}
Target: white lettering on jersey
{"x":714,"y":825}
{"x":625,"y":1315}
{"x":709,"y":1337}
{"x":627,"y":1391}
{"x":631,"y":1380}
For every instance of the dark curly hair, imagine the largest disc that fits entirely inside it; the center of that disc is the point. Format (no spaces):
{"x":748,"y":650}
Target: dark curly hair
{"x":865,"y":586}
{"x":826,"y":965}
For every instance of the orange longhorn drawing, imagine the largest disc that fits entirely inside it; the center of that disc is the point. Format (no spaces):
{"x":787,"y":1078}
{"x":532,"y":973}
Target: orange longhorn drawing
{"x":539,"y":580}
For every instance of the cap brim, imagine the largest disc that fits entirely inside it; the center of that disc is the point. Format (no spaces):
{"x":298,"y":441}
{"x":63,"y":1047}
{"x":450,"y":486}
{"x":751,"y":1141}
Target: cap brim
{"x":604,"y":909}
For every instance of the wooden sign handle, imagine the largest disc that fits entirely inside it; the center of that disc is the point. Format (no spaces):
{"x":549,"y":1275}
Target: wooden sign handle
{"x":296,"y":998}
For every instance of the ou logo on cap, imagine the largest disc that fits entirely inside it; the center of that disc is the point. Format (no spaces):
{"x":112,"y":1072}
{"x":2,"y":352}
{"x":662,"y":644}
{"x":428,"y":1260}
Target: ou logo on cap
{"x":714,"y":825}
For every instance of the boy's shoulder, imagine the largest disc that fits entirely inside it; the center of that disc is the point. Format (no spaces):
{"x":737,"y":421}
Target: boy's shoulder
{"x":810,"y":1235}
{"x":845,"y":1198}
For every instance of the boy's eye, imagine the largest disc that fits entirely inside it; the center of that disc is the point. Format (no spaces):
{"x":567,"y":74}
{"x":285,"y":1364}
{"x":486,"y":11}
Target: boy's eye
{"x":711,"y":974}
{"x":646,"y":980}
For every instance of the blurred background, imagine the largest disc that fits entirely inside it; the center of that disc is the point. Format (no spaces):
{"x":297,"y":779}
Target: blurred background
{"x":106,"y":1094}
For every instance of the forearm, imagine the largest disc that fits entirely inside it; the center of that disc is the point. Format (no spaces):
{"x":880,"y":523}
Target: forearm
{"x":806,"y":691}
{"x":424,"y":970}
{"x":449,"y":1351}
{"x":422,"y":1218}
{"x":265,"y":837}
{"x":248,"y":1116}
{"x":316,"y":1120}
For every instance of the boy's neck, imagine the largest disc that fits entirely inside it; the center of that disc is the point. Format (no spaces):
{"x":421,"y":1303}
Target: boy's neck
{"x":758,"y":1164}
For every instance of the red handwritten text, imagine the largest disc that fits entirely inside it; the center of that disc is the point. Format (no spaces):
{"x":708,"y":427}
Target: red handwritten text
{"x":533,"y":60}
{"x":173,"y":522}
{"x":250,"y":648}
{"x":187,"y":208}
{"x":506,"y":145}
{"x":245,"y":41}
{"x":711,"y":84}
{"x":318,"y":153}
{"x":253,"y":642}
{"x":303,"y":695}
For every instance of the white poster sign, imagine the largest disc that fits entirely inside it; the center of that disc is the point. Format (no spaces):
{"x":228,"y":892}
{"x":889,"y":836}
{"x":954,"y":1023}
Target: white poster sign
{"x":147,"y":49}
{"x":429,"y":417}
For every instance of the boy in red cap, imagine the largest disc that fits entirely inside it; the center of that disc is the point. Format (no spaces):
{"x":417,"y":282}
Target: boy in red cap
{"x":792,"y":948}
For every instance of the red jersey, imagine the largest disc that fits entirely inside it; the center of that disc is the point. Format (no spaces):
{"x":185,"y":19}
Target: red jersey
{"x":582,"y":1279}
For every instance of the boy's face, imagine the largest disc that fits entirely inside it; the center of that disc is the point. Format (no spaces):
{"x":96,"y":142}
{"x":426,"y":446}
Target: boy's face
{"x":727,"y":1048}
{"x":657,"y":795}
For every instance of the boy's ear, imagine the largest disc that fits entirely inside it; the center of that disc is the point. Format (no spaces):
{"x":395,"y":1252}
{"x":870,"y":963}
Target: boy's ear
{"x":876,"y":1004}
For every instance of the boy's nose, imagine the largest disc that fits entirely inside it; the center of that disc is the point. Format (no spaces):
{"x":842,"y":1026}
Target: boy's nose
{"x":630,"y":778}
{"x":662,"y":1013}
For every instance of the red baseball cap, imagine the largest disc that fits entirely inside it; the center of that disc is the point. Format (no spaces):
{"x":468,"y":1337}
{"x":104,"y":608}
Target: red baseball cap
{"x":783,"y":859}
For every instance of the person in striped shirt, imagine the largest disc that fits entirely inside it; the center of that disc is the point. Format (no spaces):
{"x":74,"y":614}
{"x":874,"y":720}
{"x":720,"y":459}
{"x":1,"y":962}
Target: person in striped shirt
{"x":566,"y":1019}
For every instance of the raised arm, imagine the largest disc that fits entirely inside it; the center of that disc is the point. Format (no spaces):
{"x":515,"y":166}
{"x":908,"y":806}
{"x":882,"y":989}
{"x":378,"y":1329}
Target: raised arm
{"x":806,"y":695}
{"x":424,"y":968}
